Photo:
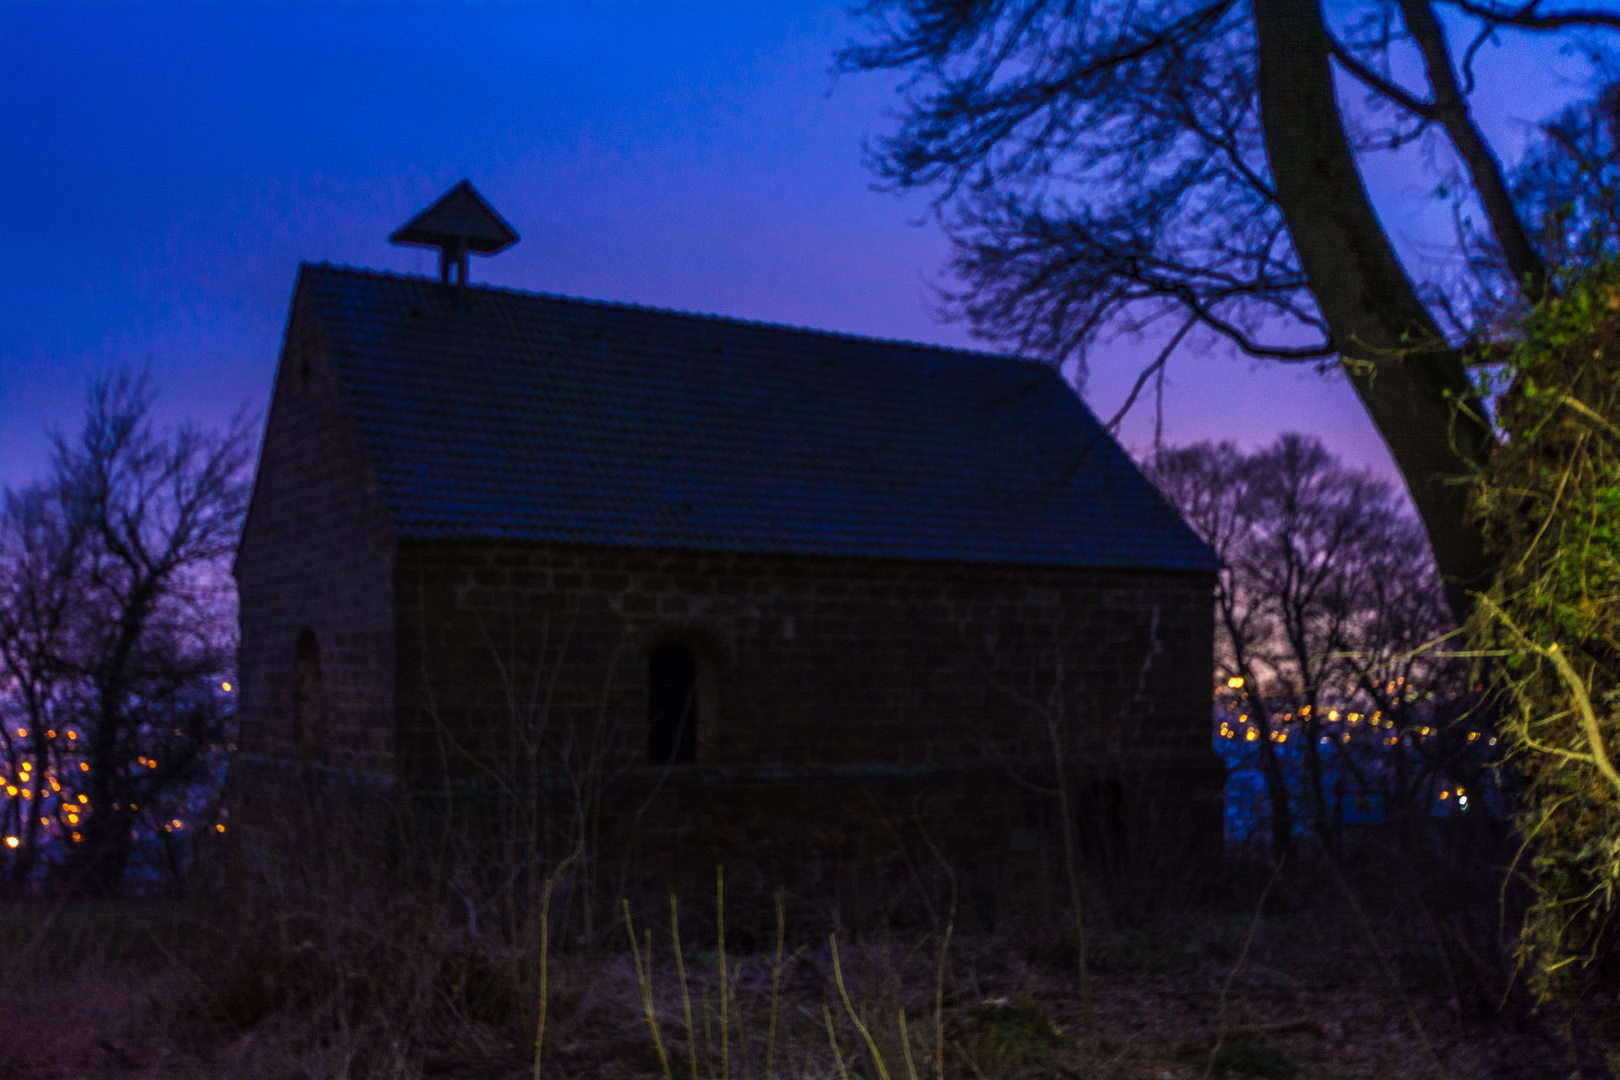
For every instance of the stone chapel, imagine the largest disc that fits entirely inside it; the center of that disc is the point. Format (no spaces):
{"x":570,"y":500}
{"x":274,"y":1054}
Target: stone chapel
{"x":755,"y":583}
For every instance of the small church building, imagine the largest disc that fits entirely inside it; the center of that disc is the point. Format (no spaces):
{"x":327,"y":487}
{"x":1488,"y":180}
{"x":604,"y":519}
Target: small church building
{"x":756,"y":584}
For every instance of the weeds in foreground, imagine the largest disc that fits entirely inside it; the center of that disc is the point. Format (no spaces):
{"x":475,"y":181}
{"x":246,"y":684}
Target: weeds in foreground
{"x":548,"y":892}
{"x":334,"y":973}
{"x":730,"y":1014}
{"x":1304,"y":998}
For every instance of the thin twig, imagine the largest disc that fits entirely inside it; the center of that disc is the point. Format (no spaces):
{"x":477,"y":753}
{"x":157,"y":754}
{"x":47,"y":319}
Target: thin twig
{"x":905,"y":1045}
{"x":832,"y":1037}
{"x":680,"y":972}
{"x":1577,"y":689}
{"x":1226,"y":987}
{"x":1587,"y":411}
{"x":545,"y":945}
{"x":1383,"y":964}
{"x":725,"y":1015}
{"x":944,"y":951}
{"x":776,"y":986}
{"x":1547,"y":518}
{"x":843,"y":994}
{"x":644,"y":981}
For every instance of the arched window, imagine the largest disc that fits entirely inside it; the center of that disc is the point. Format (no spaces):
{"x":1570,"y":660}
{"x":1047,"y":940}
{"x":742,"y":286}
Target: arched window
{"x":309,"y":713}
{"x":672,"y":705}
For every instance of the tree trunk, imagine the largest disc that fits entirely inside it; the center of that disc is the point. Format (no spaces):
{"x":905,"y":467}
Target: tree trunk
{"x":1311,"y":731}
{"x":1415,"y":388}
{"x":102,"y":859}
{"x":29,"y":782}
{"x":37,"y":782}
{"x":1282,"y":815}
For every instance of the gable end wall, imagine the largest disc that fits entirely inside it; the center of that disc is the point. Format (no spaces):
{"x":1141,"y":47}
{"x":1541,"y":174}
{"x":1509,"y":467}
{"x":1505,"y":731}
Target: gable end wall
{"x":317,"y":553}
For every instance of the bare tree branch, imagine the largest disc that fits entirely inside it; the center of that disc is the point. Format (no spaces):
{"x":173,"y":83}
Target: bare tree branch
{"x":1387,"y":87}
{"x":1451,"y":110}
{"x":1524,"y":16}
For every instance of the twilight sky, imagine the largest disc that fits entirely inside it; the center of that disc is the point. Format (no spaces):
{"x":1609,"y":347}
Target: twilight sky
{"x":166,"y":167}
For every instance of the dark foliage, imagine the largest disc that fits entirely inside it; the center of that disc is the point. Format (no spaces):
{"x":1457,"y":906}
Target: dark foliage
{"x":1548,"y":631}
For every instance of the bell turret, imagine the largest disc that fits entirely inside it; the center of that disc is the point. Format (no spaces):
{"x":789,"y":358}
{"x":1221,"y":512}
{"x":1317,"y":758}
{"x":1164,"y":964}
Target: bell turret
{"x":459,"y":223}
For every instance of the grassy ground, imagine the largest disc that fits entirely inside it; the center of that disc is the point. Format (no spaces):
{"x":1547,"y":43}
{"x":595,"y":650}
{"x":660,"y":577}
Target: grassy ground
{"x":145,"y":990}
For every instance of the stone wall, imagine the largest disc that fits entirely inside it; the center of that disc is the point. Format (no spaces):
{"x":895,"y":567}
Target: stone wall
{"x":869,"y":844}
{"x":806,"y":660}
{"x":826,"y":684}
{"x":317,"y":554}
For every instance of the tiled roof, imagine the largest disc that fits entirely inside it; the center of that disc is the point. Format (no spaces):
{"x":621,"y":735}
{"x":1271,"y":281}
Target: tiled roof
{"x":496,"y":413}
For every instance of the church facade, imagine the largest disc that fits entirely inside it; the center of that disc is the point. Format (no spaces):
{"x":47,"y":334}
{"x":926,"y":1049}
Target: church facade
{"x":718,"y":583}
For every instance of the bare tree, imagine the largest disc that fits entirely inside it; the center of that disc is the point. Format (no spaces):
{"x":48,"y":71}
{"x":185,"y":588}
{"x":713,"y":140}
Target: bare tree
{"x":1210,"y":485}
{"x":1396,"y":669}
{"x":1324,"y":603}
{"x":115,"y":625}
{"x":1111,"y":167}
{"x":41,"y":564}
{"x":1569,"y":183}
{"x":1317,"y":531}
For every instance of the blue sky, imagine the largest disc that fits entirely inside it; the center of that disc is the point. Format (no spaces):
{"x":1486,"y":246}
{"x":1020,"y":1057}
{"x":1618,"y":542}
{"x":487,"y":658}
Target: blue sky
{"x":168,"y":166}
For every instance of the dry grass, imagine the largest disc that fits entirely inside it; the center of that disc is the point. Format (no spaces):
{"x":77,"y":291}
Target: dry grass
{"x":144,"y":991}
{"x":351,"y":957}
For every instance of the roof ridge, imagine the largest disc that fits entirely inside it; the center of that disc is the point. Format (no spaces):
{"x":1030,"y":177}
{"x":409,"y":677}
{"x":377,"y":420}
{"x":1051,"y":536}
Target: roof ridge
{"x":734,"y":320}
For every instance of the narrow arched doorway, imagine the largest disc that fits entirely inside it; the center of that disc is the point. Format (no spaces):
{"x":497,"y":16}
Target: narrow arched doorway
{"x":309,"y":710}
{"x":672,"y":705}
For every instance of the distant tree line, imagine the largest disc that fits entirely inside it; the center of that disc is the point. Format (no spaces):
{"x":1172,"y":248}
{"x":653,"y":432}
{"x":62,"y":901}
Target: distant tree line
{"x":116,"y":644}
{"x":1337,"y":679}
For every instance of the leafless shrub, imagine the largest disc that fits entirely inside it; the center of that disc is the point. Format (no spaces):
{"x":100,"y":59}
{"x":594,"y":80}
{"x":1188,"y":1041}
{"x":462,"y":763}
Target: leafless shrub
{"x":115,"y":642}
